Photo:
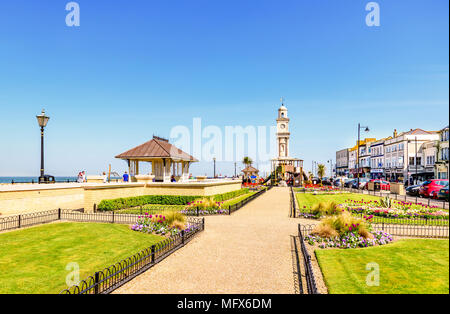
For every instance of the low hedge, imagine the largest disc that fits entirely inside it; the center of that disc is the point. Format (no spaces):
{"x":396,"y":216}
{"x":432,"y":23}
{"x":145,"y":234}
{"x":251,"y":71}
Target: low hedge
{"x":229,"y":195}
{"x":130,"y":202}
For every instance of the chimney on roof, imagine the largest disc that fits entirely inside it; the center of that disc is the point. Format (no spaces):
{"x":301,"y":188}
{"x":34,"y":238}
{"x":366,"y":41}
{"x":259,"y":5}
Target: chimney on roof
{"x":395,"y":133}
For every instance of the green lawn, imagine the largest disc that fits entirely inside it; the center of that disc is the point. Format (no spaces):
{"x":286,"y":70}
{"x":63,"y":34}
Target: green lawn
{"x":237,"y":199}
{"x":308,"y":199}
{"x":407,"y":266}
{"x":34,"y":260}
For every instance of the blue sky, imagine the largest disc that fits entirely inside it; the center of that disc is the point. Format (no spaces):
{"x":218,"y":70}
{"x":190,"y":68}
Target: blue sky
{"x":139,"y":67}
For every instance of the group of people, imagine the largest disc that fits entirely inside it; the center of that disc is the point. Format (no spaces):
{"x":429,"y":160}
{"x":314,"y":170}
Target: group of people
{"x":81,"y":177}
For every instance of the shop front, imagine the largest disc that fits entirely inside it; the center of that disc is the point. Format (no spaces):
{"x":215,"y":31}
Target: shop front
{"x":377,"y":173}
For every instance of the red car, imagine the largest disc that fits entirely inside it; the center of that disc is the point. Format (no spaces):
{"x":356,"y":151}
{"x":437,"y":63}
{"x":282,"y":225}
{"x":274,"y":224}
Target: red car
{"x":432,"y":187}
{"x":384,"y":185}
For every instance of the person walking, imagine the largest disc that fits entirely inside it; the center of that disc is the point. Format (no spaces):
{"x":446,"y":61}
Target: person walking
{"x":105,"y":177}
{"x":126,"y":177}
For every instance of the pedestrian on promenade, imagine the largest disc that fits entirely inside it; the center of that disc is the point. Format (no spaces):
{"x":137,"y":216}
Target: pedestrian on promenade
{"x":80,"y":177}
{"x":83,"y":176}
{"x":105,"y":177}
{"x":172,"y":179}
{"x":126,"y":177}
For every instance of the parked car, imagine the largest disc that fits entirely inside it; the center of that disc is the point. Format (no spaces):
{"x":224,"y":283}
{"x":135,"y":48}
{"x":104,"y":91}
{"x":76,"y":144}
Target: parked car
{"x":413,"y":190}
{"x":348,"y":183}
{"x":443,"y":194}
{"x":338,"y":182}
{"x":384,"y":185}
{"x":429,"y":186}
{"x":362,"y":182}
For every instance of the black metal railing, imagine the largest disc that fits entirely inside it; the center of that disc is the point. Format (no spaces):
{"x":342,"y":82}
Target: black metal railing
{"x":294,"y":205}
{"x":419,"y":231}
{"x":114,"y":276}
{"x":30,"y":219}
{"x":311,"y":285}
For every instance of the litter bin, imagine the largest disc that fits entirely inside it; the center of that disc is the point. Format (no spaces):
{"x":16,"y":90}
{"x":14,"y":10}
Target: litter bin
{"x":47,"y":179}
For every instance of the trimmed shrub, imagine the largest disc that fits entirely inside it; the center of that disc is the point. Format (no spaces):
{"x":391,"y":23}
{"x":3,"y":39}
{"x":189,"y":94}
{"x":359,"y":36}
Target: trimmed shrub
{"x":229,"y":195}
{"x":130,"y":202}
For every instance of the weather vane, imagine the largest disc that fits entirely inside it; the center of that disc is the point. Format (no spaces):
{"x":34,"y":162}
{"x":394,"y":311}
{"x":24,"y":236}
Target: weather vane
{"x":282,"y":100}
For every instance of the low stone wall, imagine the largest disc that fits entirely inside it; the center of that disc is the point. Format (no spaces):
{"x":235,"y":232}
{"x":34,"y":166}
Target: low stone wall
{"x":27,"y":198}
{"x":39,"y":198}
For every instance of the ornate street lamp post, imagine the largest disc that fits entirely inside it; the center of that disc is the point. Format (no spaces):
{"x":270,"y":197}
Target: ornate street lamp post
{"x":331,"y":168}
{"x":214,"y":159}
{"x":366,"y":128}
{"x":42,"y":121}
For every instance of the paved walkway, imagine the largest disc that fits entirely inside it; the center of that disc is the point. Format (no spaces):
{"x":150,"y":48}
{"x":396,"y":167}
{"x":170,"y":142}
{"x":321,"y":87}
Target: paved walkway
{"x":248,"y":252}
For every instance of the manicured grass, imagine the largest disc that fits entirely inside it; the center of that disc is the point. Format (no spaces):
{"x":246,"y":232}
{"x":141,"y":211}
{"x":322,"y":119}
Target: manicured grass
{"x":34,"y":260}
{"x":309,"y":199}
{"x":237,"y":199}
{"x":407,"y":266}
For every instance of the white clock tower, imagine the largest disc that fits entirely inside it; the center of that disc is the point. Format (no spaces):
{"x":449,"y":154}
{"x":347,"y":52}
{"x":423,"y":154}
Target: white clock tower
{"x":283,"y":132}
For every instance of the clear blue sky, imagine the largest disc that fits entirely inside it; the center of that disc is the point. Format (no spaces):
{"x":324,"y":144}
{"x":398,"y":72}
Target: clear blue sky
{"x":139,"y":67}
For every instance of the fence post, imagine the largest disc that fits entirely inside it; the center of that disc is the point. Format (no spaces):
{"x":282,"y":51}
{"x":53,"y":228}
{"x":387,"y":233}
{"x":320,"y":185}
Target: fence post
{"x":182,"y":237}
{"x":112,"y":217}
{"x":197,"y":212}
{"x":140,"y":207}
{"x":153,"y":253}
{"x":20,"y":221}
{"x":97,"y":279}
{"x":203,"y":223}
{"x":229,"y":210}
{"x":59,"y":213}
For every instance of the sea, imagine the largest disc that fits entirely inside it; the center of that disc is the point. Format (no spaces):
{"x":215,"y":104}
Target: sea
{"x":33,"y":179}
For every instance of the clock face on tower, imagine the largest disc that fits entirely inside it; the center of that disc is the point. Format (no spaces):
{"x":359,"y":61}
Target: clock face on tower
{"x":282,"y":126}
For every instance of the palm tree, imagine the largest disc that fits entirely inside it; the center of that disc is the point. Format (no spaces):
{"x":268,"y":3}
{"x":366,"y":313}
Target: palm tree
{"x":247,"y":161}
{"x":321,"y":171}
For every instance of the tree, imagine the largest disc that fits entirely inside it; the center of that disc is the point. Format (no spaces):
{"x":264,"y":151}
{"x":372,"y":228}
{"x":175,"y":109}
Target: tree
{"x":321,"y":171}
{"x":247,"y":161}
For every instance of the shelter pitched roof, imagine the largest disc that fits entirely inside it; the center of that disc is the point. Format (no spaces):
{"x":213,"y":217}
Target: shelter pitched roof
{"x":156,"y":148}
{"x":250,"y":169}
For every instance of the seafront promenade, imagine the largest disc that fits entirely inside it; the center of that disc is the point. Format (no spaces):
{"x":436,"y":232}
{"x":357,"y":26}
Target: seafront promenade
{"x":26,"y":198}
{"x":248,"y":252}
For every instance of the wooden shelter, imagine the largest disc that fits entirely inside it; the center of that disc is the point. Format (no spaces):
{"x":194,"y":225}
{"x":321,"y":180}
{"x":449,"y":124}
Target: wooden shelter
{"x":250,"y":171}
{"x":166,"y":160}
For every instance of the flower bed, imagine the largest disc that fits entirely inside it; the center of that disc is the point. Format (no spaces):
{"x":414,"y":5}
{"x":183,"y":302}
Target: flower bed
{"x":398,"y":209}
{"x":158,"y":224}
{"x":202,"y":212}
{"x":350,"y":240}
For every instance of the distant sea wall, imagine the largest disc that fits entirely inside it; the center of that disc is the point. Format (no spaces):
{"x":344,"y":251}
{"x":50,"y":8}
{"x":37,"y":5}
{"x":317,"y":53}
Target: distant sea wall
{"x":32,"y":198}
